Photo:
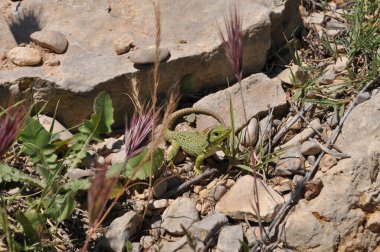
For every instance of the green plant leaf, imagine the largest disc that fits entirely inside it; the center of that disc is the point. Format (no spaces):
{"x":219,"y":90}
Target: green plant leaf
{"x":76,"y":185}
{"x":102,"y":118}
{"x":244,"y":167}
{"x":32,"y":222}
{"x":36,"y":144}
{"x":133,"y":163}
{"x":100,"y":123}
{"x":60,"y":207}
{"x":115,"y":170}
{"x":11,"y":174}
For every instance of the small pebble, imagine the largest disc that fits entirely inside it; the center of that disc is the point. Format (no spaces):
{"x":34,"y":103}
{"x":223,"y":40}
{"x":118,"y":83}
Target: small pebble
{"x":313,"y":188}
{"x":298,"y":72}
{"x":162,"y":203}
{"x":363,"y":97}
{"x":311,"y":159}
{"x":52,"y":40}
{"x":341,"y":64}
{"x":250,"y":133}
{"x":310,"y":148}
{"x":212,"y":184}
{"x":297,"y":178}
{"x":203,"y":194}
{"x":230,"y":183}
{"x":160,"y":187}
{"x":25,"y":56}
{"x":147,"y":55}
{"x":13,"y":191}
{"x":123,"y":44}
{"x":327,"y":78}
{"x":327,"y":162}
{"x":333,"y":33}
{"x":205,"y":208}
{"x":197,"y":189}
{"x":220,"y":190}
{"x":54,"y":62}
{"x":297,"y":126}
{"x":284,"y":188}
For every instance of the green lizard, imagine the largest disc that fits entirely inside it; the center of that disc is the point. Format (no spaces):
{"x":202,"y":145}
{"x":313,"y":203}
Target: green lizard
{"x":199,"y":144}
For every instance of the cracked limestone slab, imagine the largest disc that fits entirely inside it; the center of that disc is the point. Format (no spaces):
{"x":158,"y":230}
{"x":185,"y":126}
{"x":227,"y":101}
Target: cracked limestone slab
{"x":90,"y":64}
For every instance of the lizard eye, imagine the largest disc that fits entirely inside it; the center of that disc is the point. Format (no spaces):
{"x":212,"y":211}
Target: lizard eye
{"x":216,"y":133}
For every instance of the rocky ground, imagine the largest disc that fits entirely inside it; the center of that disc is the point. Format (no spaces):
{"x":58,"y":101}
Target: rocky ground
{"x":316,"y":138}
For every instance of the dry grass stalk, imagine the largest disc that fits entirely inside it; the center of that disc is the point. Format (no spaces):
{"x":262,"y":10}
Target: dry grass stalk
{"x":135,"y":97}
{"x":155,"y":140}
{"x":233,"y":45}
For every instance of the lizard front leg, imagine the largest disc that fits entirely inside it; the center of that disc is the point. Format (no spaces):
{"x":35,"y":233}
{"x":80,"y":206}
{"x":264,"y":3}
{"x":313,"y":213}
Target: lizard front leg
{"x":198,"y":163}
{"x":173,"y":153}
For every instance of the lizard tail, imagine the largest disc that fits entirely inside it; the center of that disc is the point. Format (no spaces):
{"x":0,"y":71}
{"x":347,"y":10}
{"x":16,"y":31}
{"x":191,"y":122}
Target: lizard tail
{"x":187,"y":111}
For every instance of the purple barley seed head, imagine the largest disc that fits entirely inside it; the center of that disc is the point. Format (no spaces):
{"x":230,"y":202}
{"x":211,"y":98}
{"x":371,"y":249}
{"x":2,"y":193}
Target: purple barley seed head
{"x":138,"y":131}
{"x":10,"y":126}
{"x":233,"y":41}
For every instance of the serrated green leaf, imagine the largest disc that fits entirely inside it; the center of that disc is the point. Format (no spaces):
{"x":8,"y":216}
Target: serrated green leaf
{"x":11,"y":174}
{"x":76,"y":185}
{"x":36,"y":143}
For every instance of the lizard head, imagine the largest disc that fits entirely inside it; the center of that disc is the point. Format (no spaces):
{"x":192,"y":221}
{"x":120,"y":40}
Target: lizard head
{"x":218,"y":133}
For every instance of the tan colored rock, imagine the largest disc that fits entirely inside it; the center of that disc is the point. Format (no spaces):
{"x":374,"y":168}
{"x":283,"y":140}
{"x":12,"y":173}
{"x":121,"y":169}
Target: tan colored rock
{"x":304,"y":135}
{"x":90,"y":63}
{"x":310,"y":148}
{"x":298,"y":72}
{"x":350,"y":193}
{"x":123,"y":44}
{"x":229,"y":239}
{"x":373,"y":222}
{"x":291,"y":162}
{"x":58,"y":128}
{"x":52,"y":40}
{"x":120,"y":230}
{"x":237,"y":202}
{"x":327,"y":162}
{"x":25,"y":56}
{"x":341,"y":64}
{"x":181,"y":213}
{"x":250,"y":133}
{"x":258,"y":91}
{"x":147,"y":55}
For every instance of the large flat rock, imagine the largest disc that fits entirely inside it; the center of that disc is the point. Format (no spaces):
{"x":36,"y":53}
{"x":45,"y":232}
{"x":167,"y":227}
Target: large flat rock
{"x":339,"y":218}
{"x":90,"y":64}
{"x":253,"y":96}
